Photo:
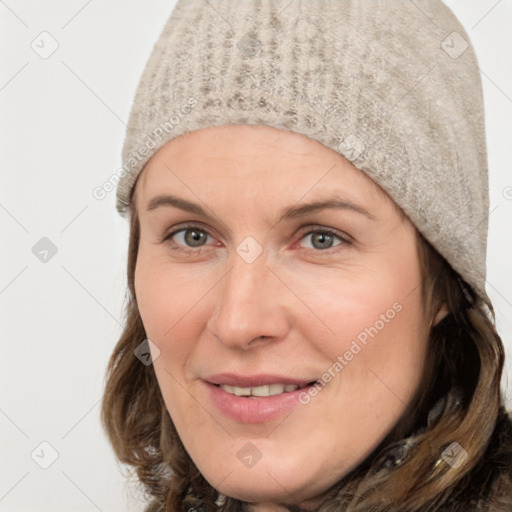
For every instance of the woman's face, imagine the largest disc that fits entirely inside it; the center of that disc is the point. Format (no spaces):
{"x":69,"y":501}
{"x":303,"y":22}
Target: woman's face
{"x":282,"y":265}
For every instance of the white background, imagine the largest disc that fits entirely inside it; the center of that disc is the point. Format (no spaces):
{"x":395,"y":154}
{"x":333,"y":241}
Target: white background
{"x":63,"y":122}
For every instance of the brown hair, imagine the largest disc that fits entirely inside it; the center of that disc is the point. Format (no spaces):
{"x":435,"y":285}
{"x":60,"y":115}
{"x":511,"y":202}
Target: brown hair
{"x":405,"y":472}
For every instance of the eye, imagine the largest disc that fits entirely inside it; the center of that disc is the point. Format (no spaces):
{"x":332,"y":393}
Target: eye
{"x":193,"y":237}
{"x":322,"y":239}
{"x":189,"y":236}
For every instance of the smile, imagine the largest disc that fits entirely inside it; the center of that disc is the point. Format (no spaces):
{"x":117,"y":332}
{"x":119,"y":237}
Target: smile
{"x":256,"y":399}
{"x":260,"y":391}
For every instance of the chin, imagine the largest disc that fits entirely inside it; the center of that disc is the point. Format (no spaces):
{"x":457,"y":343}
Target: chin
{"x":256,"y":493}
{"x":257,"y":485}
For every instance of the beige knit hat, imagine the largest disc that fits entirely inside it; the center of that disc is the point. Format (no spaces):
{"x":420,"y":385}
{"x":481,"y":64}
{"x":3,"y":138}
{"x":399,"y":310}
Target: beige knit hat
{"x":392,"y":85}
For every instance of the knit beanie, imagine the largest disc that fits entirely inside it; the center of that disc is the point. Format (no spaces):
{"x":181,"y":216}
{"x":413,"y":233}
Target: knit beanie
{"x":392,"y":85}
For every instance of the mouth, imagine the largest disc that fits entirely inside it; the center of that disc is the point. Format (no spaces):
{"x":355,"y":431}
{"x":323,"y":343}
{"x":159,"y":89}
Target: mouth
{"x":256,"y":399}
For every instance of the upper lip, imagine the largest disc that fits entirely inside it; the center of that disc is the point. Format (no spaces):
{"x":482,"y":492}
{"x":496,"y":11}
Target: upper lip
{"x":250,"y":381}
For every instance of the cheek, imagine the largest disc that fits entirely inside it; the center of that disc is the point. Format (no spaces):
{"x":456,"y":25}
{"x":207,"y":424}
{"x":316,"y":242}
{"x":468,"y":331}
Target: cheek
{"x":385,"y":347}
{"x":374,"y":320}
{"x":166,"y":298}
{"x":167,"y":303}
{"x":343,"y":305}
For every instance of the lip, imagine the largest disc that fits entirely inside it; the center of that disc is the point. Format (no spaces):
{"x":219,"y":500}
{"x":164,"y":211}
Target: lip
{"x":253,"y":410}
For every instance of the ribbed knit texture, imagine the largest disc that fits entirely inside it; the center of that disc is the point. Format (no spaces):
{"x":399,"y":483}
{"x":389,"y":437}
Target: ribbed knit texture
{"x":393,"y":86}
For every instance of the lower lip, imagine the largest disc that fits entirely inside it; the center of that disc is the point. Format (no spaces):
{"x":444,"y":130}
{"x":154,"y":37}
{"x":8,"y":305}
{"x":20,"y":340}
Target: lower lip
{"x":254,"y":409}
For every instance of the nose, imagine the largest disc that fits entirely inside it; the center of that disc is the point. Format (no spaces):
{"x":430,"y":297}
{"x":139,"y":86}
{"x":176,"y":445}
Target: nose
{"x":250,"y":306}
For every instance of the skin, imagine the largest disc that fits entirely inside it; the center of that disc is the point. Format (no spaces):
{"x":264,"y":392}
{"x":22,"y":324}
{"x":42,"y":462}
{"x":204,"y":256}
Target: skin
{"x":292,"y":311}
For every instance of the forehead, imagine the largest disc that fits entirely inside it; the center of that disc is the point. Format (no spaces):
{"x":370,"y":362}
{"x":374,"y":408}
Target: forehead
{"x":252,"y":156}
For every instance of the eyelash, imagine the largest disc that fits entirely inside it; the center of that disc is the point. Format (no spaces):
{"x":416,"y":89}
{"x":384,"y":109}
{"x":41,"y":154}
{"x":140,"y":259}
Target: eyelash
{"x":344,"y":239}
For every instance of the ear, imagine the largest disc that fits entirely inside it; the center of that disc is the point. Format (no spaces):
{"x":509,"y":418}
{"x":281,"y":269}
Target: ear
{"x":443,"y":311}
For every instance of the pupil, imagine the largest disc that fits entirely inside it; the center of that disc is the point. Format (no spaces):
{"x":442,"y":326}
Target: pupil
{"x":322,"y":238}
{"x":196,"y":237}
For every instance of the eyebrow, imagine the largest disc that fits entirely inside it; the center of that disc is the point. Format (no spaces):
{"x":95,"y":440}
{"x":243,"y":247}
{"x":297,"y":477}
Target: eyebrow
{"x":291,"y":212}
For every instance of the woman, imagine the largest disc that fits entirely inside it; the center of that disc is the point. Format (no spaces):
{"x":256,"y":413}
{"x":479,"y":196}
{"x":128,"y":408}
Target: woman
{"x":307,"y":326}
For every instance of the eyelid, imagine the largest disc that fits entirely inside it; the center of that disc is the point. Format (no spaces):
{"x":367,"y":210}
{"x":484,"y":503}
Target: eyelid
{"x":322,"y":229}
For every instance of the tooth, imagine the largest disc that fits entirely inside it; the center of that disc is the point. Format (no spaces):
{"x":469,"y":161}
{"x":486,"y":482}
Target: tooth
{"x":276,"y":389}
{"x":261,"y":391}
{"x":241,"y":391}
